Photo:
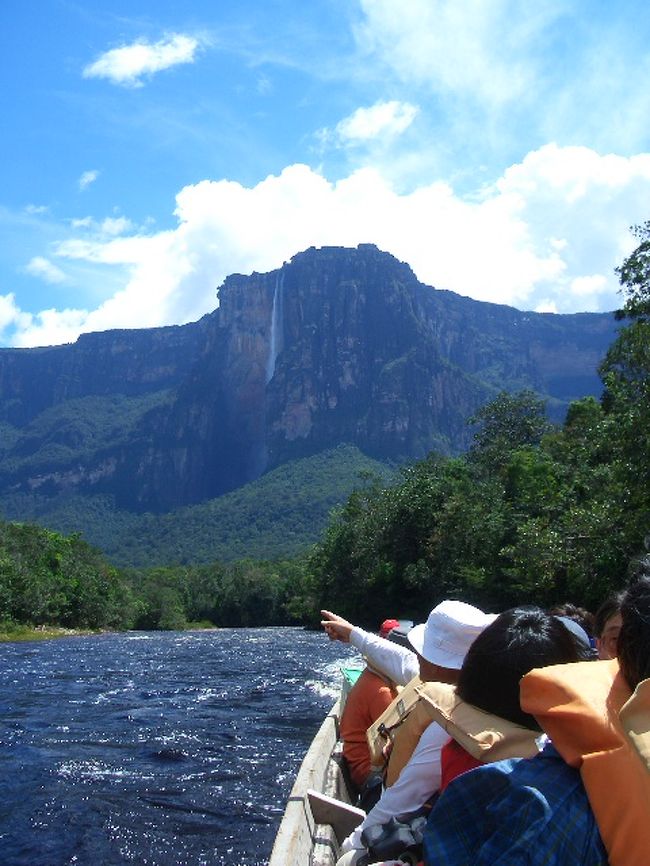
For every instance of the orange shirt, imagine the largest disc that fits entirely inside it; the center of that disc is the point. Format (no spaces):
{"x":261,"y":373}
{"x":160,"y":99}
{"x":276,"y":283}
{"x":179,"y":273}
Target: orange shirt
{"x":587,"y":710}
{"x":367,"y":700}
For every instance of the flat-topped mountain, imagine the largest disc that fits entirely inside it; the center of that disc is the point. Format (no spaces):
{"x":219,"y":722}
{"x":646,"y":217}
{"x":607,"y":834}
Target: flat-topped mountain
{"x":337,"y":346}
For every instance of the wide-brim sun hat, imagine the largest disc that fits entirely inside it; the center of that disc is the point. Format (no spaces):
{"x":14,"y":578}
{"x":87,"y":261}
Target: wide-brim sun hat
{"x":450,"y":630}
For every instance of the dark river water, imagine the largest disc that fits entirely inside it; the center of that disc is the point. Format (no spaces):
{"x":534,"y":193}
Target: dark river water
{"x":156,"y":748}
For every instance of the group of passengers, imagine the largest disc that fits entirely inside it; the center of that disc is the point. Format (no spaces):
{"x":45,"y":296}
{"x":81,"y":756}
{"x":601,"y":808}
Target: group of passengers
{"x":518,"y":738}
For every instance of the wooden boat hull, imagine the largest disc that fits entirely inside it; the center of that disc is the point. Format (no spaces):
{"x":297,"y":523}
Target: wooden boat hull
{"x":319,"y":795}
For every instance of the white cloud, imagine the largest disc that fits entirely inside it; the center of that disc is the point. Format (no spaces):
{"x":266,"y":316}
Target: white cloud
{"x":505,"y":76}
{"x":386,"y":119}
{"x":116,"y":225}
{"x":547,"y":235}
{"x":11,"y":316}
{"x":87,"y":178}
{"x":466,"y":47}
{"x":130,"y":63}
{"x":50,"y":327}
{"x":35,"y":209}
{"x":109,"y":226}
{"x":546,"y":306}
{"x":264,"y":85}
{"x":45,"y":270}
{"x":588,"y":286}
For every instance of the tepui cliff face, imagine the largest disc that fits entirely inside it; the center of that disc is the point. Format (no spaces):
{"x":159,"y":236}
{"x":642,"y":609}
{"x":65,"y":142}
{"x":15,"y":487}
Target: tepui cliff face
{"x":338,"y":345}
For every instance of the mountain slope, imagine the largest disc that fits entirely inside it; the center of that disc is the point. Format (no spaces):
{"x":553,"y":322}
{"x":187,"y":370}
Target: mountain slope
{"x":337,"y":346}
{"x":280,"y":515}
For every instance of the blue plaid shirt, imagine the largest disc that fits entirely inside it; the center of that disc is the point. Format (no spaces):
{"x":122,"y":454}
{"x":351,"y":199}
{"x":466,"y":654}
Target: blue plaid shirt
{"x":522,"y":812}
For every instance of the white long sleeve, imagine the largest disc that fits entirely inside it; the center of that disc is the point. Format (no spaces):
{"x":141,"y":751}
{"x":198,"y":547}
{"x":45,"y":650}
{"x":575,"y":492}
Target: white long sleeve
{"x":396,"y":662}
{"x":419,"y":779}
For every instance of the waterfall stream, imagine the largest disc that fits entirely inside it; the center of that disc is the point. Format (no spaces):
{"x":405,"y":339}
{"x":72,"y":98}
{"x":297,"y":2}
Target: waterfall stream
{"x":275,"y":341}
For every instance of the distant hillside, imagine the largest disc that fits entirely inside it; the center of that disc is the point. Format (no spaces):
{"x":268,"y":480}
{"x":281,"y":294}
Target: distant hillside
{"x":337,"y":347}
{"x":280,"y":515}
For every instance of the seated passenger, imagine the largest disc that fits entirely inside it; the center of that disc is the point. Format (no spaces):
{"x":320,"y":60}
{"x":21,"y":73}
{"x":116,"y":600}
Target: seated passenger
{"x":366,"y":701}
{"x":518,"y":641}
{"x":607,"y":625}
{"x":440,"y":646}
{"x":480,"y":720}
{"x":592,"y":780}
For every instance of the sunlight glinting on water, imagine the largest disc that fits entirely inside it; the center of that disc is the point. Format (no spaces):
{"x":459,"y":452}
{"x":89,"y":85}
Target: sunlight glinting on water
{"x":157,"y":749}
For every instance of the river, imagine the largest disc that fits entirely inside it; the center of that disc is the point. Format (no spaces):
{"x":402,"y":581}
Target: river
{"x":160,"y":749}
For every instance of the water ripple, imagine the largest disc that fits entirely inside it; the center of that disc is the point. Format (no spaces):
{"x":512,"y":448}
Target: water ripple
{"x":163,"y":749}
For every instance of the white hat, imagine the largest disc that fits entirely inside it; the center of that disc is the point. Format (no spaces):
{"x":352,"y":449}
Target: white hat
{"x":449,"y":632}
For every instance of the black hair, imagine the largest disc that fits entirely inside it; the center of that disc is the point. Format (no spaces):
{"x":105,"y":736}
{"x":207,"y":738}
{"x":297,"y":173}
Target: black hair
{"x":516,"y":642}
{"x":634,"y":637}
{"x":609,"y":608}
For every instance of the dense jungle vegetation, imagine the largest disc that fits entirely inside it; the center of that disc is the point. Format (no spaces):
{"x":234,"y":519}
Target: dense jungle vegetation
{"x":276,"y":516}
{"x":532,"y":513}
{"x":50,"y":579}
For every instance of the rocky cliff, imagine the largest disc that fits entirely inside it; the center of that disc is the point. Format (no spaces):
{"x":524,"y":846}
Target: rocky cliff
{"x":338,"y":345}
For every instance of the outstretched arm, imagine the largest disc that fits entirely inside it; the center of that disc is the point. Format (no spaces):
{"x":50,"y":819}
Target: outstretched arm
{"x":336,"y":627}
{"x":397,"y":663}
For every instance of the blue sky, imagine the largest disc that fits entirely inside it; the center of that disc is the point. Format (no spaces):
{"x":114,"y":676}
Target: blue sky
{"x":149,"y":149}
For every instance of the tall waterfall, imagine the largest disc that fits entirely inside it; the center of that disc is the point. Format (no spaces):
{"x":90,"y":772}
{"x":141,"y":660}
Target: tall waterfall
{"x":275,"y":341}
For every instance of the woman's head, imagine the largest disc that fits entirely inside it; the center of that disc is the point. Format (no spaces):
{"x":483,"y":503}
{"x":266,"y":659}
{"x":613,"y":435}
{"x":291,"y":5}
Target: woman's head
{"x":607,"y":624}
{"x":516,"y":642}
{"x":634,"y":637}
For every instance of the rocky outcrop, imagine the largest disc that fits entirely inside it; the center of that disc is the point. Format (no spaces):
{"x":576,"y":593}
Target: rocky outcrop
{"x":339,"y":345}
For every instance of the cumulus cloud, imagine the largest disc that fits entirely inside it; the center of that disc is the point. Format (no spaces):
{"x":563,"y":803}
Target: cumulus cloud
{"x":50,"y":327}
{"x":546,"y":306}
{"x":45,"y":270}
{"x":81,"y":222}
{"x":547,"y":235}
{"x":109,"y":226}
{"x":588,"y":286}
{"x":386,"y":119}
{"x":116,"y":225}
{"x":11,"y":315}
{"x":128,"y":64}
{"x":88,"y":178}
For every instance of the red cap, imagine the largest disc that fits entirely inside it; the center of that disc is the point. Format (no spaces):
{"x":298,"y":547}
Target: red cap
{"x":387,"y":626}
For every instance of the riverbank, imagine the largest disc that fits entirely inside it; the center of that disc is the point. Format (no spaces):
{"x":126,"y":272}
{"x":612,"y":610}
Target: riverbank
{"x":11,"y":632}
{"x":14,"y":632}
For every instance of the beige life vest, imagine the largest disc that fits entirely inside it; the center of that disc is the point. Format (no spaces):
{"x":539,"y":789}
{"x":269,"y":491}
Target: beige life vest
{"x":485,"y":736}
{"x":596,"y":725}
{"x":380,"y":733}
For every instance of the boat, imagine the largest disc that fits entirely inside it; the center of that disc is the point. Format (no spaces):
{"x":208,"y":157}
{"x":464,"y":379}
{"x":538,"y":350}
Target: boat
{"x":319,"y":813}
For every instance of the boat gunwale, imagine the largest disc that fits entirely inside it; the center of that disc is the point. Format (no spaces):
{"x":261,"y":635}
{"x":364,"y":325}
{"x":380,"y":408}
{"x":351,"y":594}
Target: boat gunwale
{"x":301,"y":840}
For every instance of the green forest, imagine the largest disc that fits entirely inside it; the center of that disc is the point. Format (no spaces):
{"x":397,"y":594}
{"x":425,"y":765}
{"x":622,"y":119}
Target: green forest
{"x":276,"y":516}
{"x":532,"y":513}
